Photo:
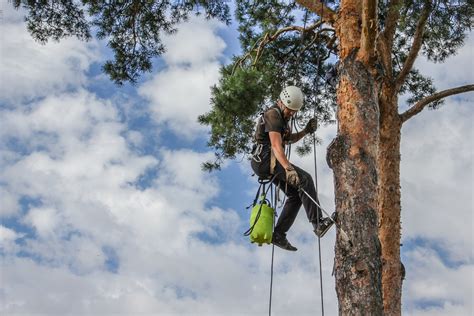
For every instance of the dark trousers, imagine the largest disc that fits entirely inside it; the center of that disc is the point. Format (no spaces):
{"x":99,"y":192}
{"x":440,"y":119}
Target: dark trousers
{"x":295,"y":198}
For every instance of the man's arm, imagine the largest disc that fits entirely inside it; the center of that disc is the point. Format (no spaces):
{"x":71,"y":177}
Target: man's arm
{"x":309,"y":128}
{"x":293,"y":138}
{"x":278,"y":151}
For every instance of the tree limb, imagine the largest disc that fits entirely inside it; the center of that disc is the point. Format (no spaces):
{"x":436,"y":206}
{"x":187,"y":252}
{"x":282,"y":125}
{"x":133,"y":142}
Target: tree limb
{"x":268,"y":38}
{"x":327,"y":14}
{"x":415,"y":47}
{"x":385,"y":40}
{"x":369,"y":31}
{"x":420,"y":105}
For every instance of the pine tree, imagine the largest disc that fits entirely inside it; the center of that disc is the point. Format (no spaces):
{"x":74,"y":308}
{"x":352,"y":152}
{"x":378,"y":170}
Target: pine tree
{"x":375,"y":45}
{"x":372,"y":45}
{"x":132,"y":28}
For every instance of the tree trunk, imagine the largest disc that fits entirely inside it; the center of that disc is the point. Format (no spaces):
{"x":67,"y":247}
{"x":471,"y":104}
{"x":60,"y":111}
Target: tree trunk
{"x":353,"y":157}
{"x":389,"y":202}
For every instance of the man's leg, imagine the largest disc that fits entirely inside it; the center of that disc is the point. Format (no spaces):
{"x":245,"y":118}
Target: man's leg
{"x":290,"y":209}
{"x":320,"y":224}
{"x":306,"y":183}
{"x":289,"y":212}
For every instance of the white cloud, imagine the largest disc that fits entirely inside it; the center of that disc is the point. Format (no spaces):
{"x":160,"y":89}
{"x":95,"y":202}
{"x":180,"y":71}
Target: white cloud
{"x":29,"y":70}
{"x":437,"y":182}
{"x":195,"y":43}
{"x":181,"y":92}
{"x":7,"y":240}
{"x":99,"y":244}
{"x":102,"y":245}
{"x":44,"y":220}
{"x":456,"y":71}
{"x":437,"y":189}
{"x":9,"y":203}
{"x":432,"y":288}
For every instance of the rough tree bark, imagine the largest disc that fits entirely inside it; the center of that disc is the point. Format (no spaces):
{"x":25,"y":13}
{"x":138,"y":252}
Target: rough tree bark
{"x":388,"y":167}
{"x":389,"y":195}
{"x":365,"y":155}
{"x":353,"y":157}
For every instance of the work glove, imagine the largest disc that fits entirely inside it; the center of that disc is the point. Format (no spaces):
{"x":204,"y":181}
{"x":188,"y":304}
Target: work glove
{"x":292,"y":177}
{"x":311,"y":126}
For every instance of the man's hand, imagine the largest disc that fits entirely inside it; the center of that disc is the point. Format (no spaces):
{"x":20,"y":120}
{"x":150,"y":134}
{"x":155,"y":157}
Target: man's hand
{"x":292,"y":177}
{"x":311,"y":126}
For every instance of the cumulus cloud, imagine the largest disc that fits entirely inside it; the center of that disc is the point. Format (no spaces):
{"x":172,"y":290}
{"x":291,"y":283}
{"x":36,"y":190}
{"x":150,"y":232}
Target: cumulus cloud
{"x":460,"y":67}
{"x":95,"y":226}
{"x":437,"y":186}
{"x":85,"y":236}
{"x":195,"y":43}
{"x":101,"y":244}
{"x":8,"y":239}
{"x":44,"y":220}
{"x":29,"y":70}
{"x":434,"y":288}
{"x":437,"y":180}
{"x":181,"y":91}
{"x":9,"y":203}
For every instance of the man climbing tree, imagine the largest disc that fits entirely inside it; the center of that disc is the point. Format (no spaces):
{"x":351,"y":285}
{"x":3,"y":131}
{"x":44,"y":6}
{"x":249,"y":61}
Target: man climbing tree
{"x":376,"y":44}
{"x":269,"y":160}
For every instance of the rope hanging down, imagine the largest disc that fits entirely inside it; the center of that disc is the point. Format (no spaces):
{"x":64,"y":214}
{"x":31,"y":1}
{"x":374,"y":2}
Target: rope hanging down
{"x":316,"y":88}
{"x":316,"y":166}
{"x":274,"y":198}
{"x":288,"y":153}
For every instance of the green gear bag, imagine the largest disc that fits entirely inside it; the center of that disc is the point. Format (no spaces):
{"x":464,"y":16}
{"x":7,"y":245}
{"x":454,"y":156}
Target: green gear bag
{"x":261,"y":221}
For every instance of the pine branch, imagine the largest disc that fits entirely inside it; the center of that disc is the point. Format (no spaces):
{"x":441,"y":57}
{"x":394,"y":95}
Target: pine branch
{"x":327,"y":14}
{"x":369,"y":31}
{"x":420,"y":105}
{"x":267,"y":38}
{"x":385,"y":40}
{"x":416,"y":46}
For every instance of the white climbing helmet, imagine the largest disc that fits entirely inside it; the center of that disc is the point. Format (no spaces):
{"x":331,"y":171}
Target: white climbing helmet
{"x":292,"y":97}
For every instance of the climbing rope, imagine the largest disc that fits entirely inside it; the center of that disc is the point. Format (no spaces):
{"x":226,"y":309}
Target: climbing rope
{"x":317,"y":223}
{"x":288,"y":153}
{"x":274,"y":198}
{"x":316,"y":167}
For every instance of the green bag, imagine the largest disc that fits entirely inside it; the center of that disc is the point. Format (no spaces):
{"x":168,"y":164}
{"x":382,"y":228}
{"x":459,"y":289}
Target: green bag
{"x":261,"y":221}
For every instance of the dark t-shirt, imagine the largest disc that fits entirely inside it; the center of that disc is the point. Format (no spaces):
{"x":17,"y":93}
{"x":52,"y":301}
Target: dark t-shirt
{"x":273,"y":121}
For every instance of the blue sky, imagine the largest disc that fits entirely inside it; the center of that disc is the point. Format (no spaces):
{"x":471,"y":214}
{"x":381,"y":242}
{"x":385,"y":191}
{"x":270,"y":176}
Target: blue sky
{"x":105,"y":209}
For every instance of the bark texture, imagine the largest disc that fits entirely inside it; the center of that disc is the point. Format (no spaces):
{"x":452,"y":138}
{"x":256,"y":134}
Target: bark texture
{"x":388,"y":165}
{"x":352,"y":156}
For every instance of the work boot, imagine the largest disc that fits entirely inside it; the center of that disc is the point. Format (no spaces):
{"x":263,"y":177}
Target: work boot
{"x":324,"y":225}
{"x":280,"y":240}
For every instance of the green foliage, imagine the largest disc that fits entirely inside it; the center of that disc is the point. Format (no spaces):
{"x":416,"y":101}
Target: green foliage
{"x":236,"y":102}
{"x":292,"y":58}
{"x":133,"y":28}
{"x":303,"y":59}
{"x":54,"y":19}
{"x":419,"y":87}
{"x":444,"y":33}
{"x":446,"y":27}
